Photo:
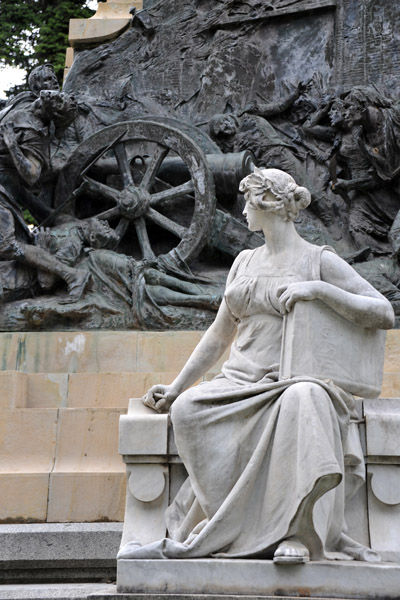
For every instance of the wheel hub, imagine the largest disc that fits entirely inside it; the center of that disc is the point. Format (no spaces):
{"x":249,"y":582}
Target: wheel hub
{"x":133,"y":202}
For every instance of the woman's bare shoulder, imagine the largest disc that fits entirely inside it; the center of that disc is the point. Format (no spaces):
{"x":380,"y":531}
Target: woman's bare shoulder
{"x":337,"y":271}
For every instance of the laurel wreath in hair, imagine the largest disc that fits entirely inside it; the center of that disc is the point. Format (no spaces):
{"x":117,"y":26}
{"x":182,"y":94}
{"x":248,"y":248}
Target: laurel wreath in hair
{"x":289,"y":198}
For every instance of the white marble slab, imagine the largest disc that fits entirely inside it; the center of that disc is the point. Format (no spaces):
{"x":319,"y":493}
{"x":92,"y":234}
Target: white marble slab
{"x":333,"y":579}
{"x":142,"y":431}
{"x":320,"y":343}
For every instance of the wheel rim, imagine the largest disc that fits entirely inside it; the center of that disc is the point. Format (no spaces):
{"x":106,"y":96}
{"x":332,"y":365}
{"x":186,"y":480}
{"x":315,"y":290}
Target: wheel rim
{"x":138,"y":201}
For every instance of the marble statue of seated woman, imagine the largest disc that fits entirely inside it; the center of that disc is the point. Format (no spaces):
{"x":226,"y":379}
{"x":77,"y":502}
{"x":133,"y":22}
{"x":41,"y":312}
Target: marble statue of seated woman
{"x":266,"y":458}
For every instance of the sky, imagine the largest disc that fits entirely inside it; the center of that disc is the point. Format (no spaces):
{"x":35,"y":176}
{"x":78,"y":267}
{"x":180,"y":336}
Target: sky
{"x":10,"y":76}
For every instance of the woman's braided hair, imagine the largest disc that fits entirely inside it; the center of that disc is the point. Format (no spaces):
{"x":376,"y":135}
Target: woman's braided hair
{"x":289,"y":198}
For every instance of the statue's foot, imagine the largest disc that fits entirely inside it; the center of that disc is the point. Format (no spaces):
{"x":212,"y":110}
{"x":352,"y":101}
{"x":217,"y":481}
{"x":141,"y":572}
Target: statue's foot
{"x":291,"y":551}
{"x":76,"y":287}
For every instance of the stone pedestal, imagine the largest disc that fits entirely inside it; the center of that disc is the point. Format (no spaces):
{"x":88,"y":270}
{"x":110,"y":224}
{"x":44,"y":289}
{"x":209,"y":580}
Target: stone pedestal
{"x":155,"y":472}
{"x":259,"y":578}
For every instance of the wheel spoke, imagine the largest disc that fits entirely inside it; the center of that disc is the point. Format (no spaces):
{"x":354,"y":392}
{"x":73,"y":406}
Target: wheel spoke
{"x":123,"y":163}
{"x":108,"y":215}
{"x":171,"y":193}
{"x":153,"y":166}
{"x":122,"y":227}
{"x":143,"y":238}
{"x":166,"y":223}
{"x":101,"y":188}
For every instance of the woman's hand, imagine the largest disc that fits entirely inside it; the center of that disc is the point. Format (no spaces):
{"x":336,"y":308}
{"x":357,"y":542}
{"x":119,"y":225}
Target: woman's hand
{"x":160,"y":397}
{"x":289,"y":294}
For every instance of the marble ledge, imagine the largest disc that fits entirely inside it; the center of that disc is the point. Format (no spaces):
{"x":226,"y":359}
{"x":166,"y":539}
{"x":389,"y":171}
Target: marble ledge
{"x":333,"y":579}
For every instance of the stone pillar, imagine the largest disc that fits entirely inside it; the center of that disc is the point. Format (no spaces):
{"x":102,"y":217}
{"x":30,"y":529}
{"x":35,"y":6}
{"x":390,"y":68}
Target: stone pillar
{"x":111,"y":19}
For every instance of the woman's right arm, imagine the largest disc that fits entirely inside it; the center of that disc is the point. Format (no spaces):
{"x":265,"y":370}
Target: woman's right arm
{"x":210,"y":348}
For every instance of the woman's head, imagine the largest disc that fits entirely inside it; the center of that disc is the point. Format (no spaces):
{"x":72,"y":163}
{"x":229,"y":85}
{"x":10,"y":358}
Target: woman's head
{"x":275,"y":191}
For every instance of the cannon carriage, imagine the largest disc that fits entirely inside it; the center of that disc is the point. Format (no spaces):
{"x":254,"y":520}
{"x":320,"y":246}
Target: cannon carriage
{"x":168,"y":195}
{"x":164,"y":186}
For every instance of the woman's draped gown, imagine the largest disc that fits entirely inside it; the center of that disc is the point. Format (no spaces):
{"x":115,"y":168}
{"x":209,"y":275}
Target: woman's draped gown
{"x":256,"y":448}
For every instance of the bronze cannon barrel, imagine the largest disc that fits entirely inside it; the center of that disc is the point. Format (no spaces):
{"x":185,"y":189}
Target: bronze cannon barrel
{"x":227,"y":169}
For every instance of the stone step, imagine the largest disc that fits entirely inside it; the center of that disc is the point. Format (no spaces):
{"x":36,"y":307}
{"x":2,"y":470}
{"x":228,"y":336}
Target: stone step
{"x":96,"y":352}
{"x":75,"y":390}
{"x":110,"y":593}
{"x":61,"y":465}
{"x":54,"y":591}
{"x":70,"y":552}
{"x":119,"y":351}
{"x":96,"y":390}
{"x":99,"y":591}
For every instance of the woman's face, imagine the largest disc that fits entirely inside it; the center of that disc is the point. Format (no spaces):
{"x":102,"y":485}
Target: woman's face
{"x":255,"y":216}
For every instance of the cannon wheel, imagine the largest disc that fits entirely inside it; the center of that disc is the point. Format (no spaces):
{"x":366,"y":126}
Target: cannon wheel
{"x":138,"y":201}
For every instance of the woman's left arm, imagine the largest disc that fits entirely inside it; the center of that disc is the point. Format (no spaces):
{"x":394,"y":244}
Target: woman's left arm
{"x":344,"y":290}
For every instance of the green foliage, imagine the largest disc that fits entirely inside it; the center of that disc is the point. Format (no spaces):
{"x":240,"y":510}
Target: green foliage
{"x":29,"y":220}
{"x":36,"y":31}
